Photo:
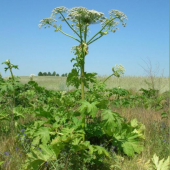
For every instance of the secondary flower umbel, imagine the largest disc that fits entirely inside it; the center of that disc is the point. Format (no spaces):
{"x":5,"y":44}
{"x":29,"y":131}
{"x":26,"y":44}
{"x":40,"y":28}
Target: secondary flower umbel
{"x":118,"y":70}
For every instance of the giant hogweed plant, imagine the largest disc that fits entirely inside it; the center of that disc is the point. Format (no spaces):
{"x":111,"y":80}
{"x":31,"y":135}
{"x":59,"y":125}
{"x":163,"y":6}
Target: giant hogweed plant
{"x":81,"y":19}
{"x":86,"y":127}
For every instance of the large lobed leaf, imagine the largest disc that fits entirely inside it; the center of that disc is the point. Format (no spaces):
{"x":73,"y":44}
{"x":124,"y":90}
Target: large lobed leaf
{"x":111,"y":121}
{"x":87,"y":108}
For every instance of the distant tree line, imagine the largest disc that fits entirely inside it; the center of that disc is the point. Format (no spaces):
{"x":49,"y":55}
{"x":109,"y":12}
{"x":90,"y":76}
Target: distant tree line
{"x":51,"y":74}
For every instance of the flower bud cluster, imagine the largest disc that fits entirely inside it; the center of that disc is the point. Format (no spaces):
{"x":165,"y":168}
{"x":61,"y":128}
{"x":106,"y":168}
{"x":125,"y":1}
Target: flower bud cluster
{"x":7,"y":61}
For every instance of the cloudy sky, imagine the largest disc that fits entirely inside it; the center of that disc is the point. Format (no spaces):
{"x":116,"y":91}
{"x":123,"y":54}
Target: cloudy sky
{"x":144,"y":39}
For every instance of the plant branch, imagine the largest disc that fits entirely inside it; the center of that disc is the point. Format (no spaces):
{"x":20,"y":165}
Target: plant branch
{"x":69,"y":35}
{"x":80,"y":33}
{"x":85,"y":33}
{"x":95,"y":39}
{"x":69,"y":24}
{"x":108,"y":77}
{"x":99,"y":31}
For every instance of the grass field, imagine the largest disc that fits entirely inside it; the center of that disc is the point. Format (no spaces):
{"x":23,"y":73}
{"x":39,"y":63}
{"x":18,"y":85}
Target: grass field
{"x":130,"y":82}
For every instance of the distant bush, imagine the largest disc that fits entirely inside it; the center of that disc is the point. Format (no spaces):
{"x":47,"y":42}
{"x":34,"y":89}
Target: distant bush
{"x":48,"y":74}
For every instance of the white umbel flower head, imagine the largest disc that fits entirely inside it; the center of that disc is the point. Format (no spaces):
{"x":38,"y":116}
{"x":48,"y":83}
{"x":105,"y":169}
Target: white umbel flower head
{"x":118,"y":70}
{"x":46,"y":21}
{"x":82,"y":18}
{"x":118,"y":14}
{"x":85,"y":16}
{"x":57,"y":10}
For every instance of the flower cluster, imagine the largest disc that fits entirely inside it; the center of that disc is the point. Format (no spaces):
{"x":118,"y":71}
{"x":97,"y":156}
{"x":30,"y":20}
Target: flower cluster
{"x":46,"y":21}
{"x":118,"y":14}
{"x":57,"y":10}
{"x":82,"y":17}
{"x":118,"y":70}
{"x":85,"y":16}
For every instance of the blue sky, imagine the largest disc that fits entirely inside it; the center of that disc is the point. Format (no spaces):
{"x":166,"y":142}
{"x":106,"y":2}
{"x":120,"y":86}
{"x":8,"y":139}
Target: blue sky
{"x":146,"y":36}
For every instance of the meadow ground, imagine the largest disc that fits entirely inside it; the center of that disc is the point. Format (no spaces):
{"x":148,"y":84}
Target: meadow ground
{"x":129,"y":82}
{"x":157,"y":129}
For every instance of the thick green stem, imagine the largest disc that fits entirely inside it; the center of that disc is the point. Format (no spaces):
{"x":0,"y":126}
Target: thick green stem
{"x":82,"y":82}
{"x":13,"y":102}
{"x":83,"y":96}
{"x":11,"y":73}
{"x":85,"y":33}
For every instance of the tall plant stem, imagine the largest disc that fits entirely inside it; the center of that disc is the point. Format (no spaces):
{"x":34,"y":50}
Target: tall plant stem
{"x":82,"y":83}
{"x":83,"y":96}
{"x":82,"y":65}
{"x":13,"y":102}
{"x":11,"y":73}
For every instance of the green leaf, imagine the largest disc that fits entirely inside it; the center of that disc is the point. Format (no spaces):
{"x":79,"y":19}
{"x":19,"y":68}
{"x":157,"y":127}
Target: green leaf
{"x":134,"y":122}
{"x":44,"y":112}
{"x":89,"y":77}
{"x":37,"y":158}
{"x":129,"y":142}
{"x":87,"y":108}
{"x":57,"y":146}
{"x":44,"y":134}
{"x":18,"y":112}
{"x":2,"y":162}
{"x":160,"y":164}
{"x":111,"y":120}
{"x":73,"y":78}
{"x":101,"y":151}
